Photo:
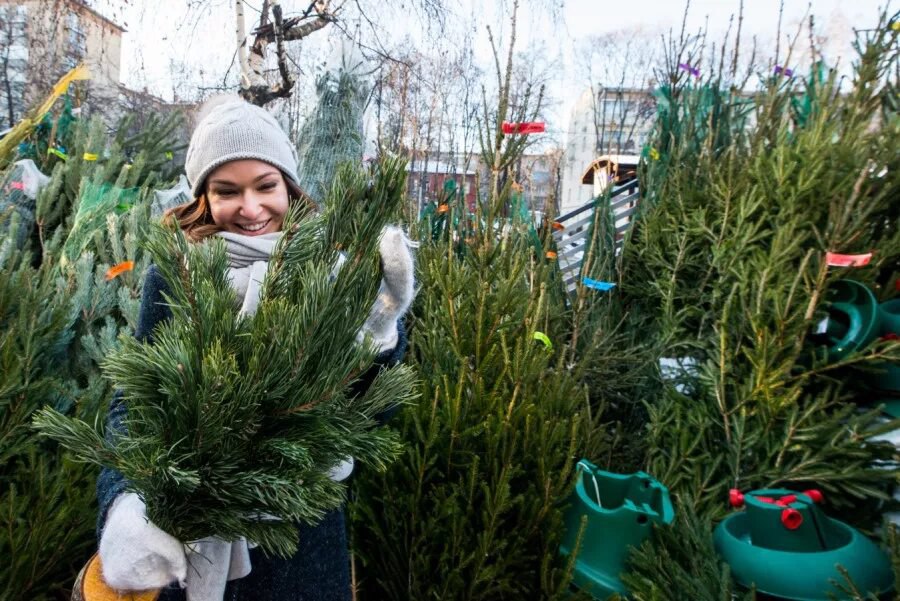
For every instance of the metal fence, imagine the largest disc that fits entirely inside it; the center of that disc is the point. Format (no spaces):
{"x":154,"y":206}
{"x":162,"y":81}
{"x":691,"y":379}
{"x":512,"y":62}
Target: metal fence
{"x":572,"y":231}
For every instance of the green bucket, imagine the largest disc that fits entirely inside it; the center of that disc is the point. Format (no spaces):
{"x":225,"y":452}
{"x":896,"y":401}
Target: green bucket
{"x":888,"y":377}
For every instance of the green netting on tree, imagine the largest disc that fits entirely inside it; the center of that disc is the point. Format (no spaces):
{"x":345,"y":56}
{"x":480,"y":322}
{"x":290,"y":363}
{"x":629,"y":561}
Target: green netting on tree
{"x":333,"y":134}
{"x":96,"y":201}
{"x":51,"y":137}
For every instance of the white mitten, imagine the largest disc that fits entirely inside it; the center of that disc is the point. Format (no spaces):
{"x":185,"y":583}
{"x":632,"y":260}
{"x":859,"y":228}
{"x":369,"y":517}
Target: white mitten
{"x":397,"y":289}
{"x":213,"y":562}
{"x":134,"y":553}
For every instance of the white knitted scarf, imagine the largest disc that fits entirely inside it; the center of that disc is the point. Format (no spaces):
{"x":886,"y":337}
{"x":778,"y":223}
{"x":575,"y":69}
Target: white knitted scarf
{"x":248,"y":261}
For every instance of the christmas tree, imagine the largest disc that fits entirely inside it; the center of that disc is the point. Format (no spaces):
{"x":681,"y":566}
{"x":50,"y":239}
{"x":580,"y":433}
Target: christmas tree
{"x":62,"y":309}
{"x":471,"y":510}
{"x":728,"y":274}
{"x":333,"y":134}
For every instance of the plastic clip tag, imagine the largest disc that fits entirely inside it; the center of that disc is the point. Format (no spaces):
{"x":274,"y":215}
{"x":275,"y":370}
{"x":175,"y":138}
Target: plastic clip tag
{"x":545,"y":339}
{"x":779,"y":70}
{"x":526,"y":127}
{"x":118,"y":269}
{"x":692,"y":70}
{"x":59,"y":153}
{"x":598,"y":285}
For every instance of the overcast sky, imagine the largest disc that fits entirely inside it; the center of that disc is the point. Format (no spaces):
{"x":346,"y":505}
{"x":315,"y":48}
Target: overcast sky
{"x":166,"y":33}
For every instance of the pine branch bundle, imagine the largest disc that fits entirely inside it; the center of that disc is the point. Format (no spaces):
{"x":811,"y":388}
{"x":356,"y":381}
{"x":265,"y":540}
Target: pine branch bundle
{"x":235,"y":421}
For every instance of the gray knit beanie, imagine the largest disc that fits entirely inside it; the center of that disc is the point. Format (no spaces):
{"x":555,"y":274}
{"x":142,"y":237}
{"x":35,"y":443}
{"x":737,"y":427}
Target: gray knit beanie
{"x":230,"y":128}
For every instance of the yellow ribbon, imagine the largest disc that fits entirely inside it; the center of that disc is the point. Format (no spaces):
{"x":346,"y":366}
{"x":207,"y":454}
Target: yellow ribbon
{"x":78,"y":73}
{"x":24,"y":127}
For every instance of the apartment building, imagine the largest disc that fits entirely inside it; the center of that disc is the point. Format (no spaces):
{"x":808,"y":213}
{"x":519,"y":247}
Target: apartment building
{"x":42,"y":39}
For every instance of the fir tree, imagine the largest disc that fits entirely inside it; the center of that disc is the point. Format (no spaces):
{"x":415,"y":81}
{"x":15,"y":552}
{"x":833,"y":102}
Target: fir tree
{"x":60,"y":319}
{"x":472,"y":509}
{"x":46,"y":501}
{"x":725,"y":269}
{"x":333,"y":134}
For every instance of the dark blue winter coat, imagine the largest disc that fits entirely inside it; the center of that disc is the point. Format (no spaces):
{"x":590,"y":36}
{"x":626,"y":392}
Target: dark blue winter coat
{"x":320,"y":570}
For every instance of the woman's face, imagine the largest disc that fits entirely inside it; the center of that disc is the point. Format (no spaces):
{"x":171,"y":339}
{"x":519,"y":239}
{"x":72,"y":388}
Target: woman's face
{"x":247,"y":197}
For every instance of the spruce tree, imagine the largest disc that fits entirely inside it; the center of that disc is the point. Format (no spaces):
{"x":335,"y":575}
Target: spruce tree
{"x":60,"y":319}
{"x":472,"y":509}
{"x":725,"y":270}
{"x":333,"y":133}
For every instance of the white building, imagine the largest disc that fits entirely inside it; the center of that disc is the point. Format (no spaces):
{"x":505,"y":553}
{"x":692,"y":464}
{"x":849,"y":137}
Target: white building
{"x":616,"y":121}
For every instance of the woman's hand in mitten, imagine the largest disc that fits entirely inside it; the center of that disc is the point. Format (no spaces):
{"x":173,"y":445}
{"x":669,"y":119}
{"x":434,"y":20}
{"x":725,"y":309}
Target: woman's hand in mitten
{"x":134,"y":553}
{"x":397,"y":288}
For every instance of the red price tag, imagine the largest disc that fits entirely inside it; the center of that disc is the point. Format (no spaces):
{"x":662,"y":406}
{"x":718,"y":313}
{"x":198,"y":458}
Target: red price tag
{"x":526,"y":127}
{"x":839,"y":260}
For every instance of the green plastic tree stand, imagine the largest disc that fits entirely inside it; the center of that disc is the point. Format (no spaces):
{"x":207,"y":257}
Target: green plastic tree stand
{"x":889,"y":325}
{"x":852,"y":319}
{"x":618,"y":512}
{"x":785,"y":546}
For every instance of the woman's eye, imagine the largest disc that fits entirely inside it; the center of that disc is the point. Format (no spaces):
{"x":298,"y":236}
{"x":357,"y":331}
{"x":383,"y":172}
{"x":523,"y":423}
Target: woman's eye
{"x":268,"y":186}
{"x":225,"y":193}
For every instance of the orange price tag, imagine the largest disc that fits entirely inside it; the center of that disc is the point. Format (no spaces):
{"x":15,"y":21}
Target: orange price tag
{"x":551,"y":254}
{"x":443,"y":208}
{"x":117,"y":270}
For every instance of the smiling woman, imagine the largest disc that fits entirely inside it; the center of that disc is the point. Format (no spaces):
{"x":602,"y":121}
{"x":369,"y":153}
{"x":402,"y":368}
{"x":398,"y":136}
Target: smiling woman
{"x":242,"y":170}
{"x":248,"y":197}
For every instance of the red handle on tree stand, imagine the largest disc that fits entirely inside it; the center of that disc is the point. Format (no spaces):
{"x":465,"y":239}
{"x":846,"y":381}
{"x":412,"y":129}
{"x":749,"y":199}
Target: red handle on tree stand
{"x":791,"y":518}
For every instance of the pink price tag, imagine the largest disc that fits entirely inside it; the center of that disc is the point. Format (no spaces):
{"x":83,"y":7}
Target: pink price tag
{"x":16,"y":185}
{"x":838,"y":260}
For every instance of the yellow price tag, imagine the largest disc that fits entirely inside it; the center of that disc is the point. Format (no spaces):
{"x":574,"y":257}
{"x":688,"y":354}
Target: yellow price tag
{"x":90,"y":156}
{"x":654,"y":154}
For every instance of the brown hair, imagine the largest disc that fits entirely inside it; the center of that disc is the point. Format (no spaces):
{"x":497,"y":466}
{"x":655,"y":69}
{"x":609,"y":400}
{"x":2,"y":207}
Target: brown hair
{"x":195,"y":217}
